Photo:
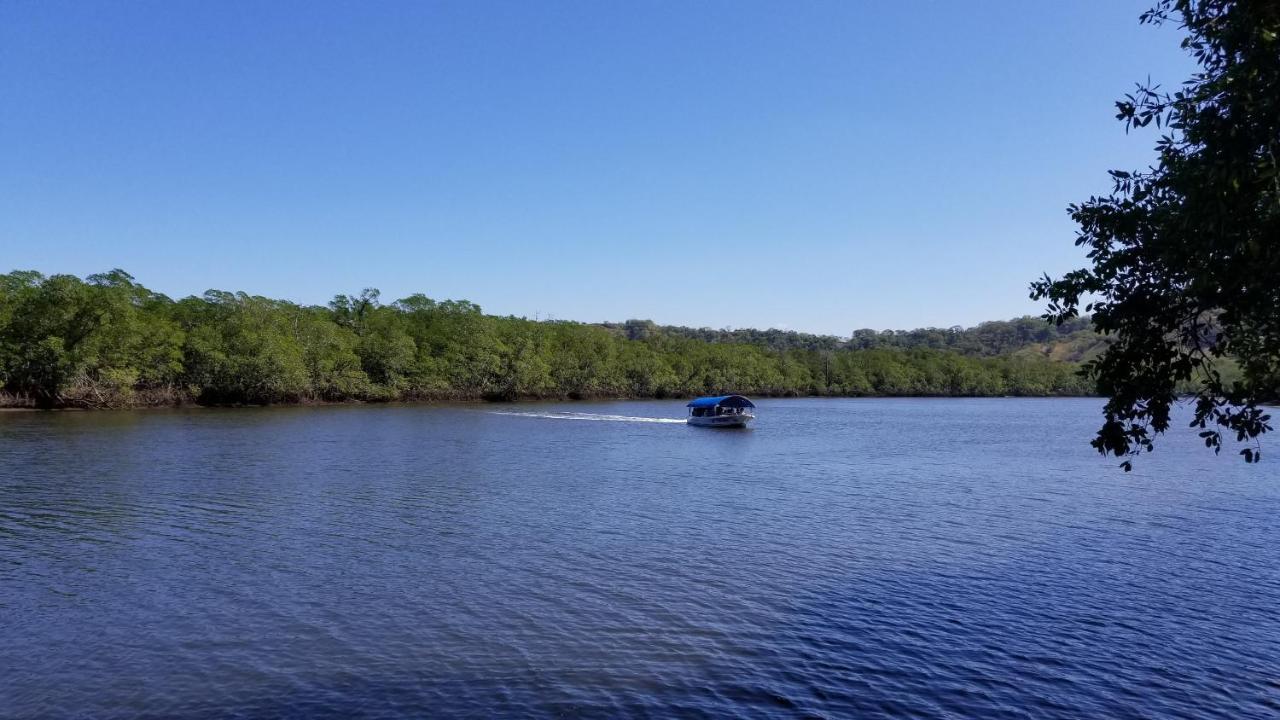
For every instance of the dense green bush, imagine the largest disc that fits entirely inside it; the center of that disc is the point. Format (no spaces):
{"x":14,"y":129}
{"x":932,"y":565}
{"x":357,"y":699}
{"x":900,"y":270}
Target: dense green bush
{"x":107,"y":341}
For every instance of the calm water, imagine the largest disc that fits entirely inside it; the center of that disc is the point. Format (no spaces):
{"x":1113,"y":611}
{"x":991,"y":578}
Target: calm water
{"x":844,"y":558}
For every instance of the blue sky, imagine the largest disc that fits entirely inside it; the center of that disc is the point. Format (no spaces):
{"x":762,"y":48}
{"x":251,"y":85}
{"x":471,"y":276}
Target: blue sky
{"x":818,"y":166}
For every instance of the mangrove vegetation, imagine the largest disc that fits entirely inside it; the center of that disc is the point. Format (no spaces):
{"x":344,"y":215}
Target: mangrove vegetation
{"x":107,"y":341}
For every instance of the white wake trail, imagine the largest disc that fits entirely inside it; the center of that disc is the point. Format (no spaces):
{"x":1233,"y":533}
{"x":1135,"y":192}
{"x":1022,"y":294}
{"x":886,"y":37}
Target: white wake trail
{"x":588,"y":416}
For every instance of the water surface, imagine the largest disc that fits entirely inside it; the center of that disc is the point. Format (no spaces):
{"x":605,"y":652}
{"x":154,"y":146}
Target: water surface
{"x":843,"y":558}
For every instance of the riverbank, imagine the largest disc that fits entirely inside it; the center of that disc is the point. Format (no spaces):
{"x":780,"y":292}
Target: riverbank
{"x":10,"y":402}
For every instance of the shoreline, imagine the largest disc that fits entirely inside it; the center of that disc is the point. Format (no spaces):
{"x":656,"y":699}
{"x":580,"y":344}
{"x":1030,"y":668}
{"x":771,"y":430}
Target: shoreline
{"x":494,"y":402}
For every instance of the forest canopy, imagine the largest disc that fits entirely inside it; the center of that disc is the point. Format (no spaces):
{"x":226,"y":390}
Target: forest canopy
{"x":108,"y":341}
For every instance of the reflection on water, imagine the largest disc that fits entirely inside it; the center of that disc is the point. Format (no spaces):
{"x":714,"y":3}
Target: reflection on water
{"x":876,"y":558}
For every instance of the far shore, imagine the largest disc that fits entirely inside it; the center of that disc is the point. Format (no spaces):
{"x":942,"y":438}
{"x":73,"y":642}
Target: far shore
{"x":483,"y":401}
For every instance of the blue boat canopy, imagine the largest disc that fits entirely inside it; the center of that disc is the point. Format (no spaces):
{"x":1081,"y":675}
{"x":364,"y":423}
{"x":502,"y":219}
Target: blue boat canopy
{"x":733,"y":401}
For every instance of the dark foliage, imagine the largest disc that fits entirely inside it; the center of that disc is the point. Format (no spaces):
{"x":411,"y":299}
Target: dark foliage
{"x":1186,"y":254}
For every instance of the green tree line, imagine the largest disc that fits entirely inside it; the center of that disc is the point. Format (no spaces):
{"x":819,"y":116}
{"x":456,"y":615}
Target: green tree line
{"x":1072,"y":340}
{"x":107,"y":341}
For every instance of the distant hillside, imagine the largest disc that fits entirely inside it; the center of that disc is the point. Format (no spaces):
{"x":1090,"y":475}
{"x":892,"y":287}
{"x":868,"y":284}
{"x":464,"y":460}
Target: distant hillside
{"x":1024,"y":337}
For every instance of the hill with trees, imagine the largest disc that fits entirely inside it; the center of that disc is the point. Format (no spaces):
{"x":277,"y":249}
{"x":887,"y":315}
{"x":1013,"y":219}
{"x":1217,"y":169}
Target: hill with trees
{"x":1071,"y":341}
{"x":108,"y":341}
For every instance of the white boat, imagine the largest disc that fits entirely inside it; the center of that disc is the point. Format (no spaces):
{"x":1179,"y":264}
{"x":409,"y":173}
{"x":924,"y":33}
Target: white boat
{"x":725,"y":411}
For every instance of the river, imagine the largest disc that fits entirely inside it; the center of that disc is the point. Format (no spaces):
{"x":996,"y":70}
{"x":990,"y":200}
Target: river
{"x":895,"y":558}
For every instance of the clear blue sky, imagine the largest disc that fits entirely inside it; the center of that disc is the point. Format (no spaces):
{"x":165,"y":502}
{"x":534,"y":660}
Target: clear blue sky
{"x":819,"y":166}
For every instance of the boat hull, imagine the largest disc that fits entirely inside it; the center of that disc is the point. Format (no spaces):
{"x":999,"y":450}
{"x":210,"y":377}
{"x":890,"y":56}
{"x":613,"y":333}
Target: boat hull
{"x":722,"y":421}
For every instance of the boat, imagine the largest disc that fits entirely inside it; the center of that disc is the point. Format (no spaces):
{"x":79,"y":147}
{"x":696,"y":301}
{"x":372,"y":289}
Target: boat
{"x":725,"y":411}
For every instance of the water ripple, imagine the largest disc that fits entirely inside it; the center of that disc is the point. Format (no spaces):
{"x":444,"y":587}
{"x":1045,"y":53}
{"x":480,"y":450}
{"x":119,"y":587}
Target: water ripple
{"x":893,"y":559}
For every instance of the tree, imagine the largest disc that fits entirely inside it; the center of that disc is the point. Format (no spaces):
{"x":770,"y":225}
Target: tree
{"x":351,"y":310}
{"x":107,"y":341}
{"x":1186,"y":254}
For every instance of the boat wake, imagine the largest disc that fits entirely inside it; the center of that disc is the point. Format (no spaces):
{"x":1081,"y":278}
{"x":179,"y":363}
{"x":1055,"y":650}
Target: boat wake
{"x":589,"y":416}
